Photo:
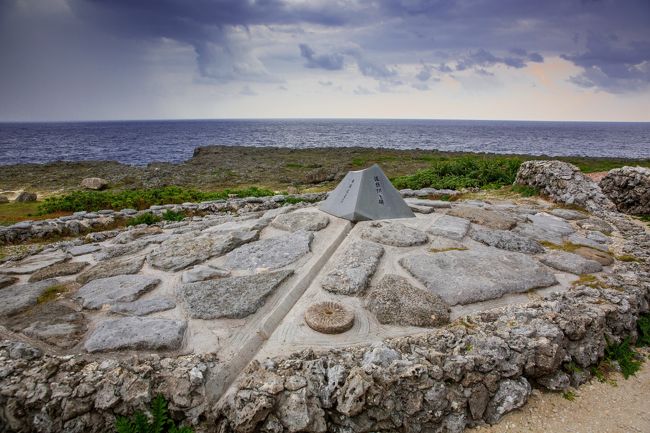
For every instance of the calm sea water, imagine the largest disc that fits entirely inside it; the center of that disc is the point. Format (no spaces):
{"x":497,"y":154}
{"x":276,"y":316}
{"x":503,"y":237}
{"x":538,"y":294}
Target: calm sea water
{"x":141,"y":142}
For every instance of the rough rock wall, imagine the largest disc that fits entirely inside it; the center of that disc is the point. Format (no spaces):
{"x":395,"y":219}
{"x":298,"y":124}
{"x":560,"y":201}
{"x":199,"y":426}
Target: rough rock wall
{"x":629,"y":189}
{"x":564,"y":183}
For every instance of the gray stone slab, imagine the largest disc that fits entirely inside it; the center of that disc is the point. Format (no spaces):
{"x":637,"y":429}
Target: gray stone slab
{"x":394,"y":301}
{"x":186,"y":250}
{"x":111,"y":268}
{"x":393,"y":233}
{"x":136,"y":333}
{"x":20,"y":297}
{"x":143,"y":307}
{"x":597,"y":224}
{"x":202,"y":273}
{"x":112,"y":251}
{"x":57,"y":270}
{"x":464,"y":277}
{"x":598,"y":237}
{"x":239,"y":225}
{"x":585,"y":242}
{"x":568,"y":262}
{"x":493,"y":219}
{"x":568,"y":214}
{"x":421,"y":209}
{"x":294,"y":221}
{"x":436,"y":204}
{"x":120,"y":288}
{"x":353,"y":268}
{"x":233,"y":298}
{"x":505,"y":240}
{"x":33,"y":263}
{"x":271,"y":253}
{"x":538,"y":233}
{"x":450,"y":227}
{"x":6,"y":280}
{"x":81,"y":250}
{"x":133,"y":234}
{"x":551,"y":223}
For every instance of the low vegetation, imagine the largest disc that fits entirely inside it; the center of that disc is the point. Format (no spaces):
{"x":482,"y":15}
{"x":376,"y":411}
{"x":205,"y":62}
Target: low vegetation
{"x":138,"y":198}
{"x":158,"y":422}
{"x":644,"y":330}
{"x":51,"y":293}
{"x":170,"y":215}
{"x":145,"y":218}
{"x":627,"y":358}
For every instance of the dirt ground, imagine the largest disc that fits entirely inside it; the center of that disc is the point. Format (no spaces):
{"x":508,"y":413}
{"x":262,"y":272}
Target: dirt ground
{"x":597,"y":408}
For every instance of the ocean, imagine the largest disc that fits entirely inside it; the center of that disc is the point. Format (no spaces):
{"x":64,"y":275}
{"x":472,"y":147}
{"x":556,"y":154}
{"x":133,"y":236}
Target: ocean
{"x":142,"y":142}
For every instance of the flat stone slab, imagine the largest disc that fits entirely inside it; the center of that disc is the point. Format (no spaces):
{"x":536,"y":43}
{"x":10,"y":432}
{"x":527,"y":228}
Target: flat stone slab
{"x":271,"y":253}
{"x":596,"y":224}
{"x":137,"y":333}
{"x":111,"y":268}
{"x":538,"y":233}
{"x":598,"y":237}
{"x":576,"y":239}
{"x":52,"y":322}
{"x":436,"y":204}
{"x":450,"y":227}
{"x":232,"y":298}
{"x":202,"y":273}
{"x":6,"y":280}
{"x":353,"y":268}
{"x":112,"y":251}
{"x":131,"y":235}
{"x":20,"y":297}
{"x":238,"y":226}
{"x":493,"y":219}
{"x":394,"y":301}
{"x":393,"y":233}
{"x":81,"y":250}
{"x":568,"y":262}
{"x":294,"y":221}
{"x":550,"y":223}
{"x":143,"y":307}
{"x":57,"y":270}
{"x":568,"y":214}
{"x":120,"y":288}
{"x":186,"y":250}
{"x":464,"y":277}
{"x":591,"y":254}
{"x":505,"y":240}
{"x":33,"y":263}
{"x":421,"y":209}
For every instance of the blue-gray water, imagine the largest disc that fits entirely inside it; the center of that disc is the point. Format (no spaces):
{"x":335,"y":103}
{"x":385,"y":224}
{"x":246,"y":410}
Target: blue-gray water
{"x":141,"y":142}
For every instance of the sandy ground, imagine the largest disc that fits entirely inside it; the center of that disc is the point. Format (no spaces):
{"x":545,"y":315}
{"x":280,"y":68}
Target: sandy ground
{"x":597,"y":408}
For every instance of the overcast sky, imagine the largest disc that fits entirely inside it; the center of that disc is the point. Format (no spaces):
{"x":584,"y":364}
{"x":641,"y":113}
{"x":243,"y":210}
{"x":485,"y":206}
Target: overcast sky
{"x":446,"y":59}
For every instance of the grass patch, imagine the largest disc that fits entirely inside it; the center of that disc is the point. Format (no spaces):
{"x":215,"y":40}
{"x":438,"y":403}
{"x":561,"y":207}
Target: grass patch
{"x":51,"y":293}
{"x":138,"y":198}
{"x":159,"y":422}
{"x":294,"y":165}
{"x":572,"y":367}
{"x":525,"y":190}
{"x":644,"y":218}
{"x":442,"y":250}
{"x":566,"y":246}
{"x":11,"y":213}
{"x":625,"y":355}
{"x":626,"y":258}
{"x":170,"y":215}
{"x":145,"y":218}
{"x":569,"y":395}
{"x":487,"y":172}
{"x":589,"y":281}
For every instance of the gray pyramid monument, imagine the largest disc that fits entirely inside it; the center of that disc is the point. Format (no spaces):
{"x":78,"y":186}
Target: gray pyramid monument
{"x":366,"y":195}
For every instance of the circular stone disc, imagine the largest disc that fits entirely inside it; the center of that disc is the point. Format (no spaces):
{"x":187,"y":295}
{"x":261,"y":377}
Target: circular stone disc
{"x":329,"y":318}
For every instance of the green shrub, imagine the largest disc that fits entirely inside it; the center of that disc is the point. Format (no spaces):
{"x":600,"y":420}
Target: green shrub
{"x":644,"y":331}
{"x":138,"y":198}
{"x":525,"y":190}
{"x":170,"y":215}
{"x":145,"y":218}
{"x":463,"y":172}
{"x":160,"y":421}
{"x":625,"y":356}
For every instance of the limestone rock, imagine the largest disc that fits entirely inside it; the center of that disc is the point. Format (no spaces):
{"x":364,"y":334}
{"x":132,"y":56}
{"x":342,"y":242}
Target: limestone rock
{"x":95,"y":183}
{"x":564,"y":183}
{"x":576,"y":239}
{"x":112,"y":251}
{"x":394,"y":301}
{"x":505,"y":240}
{"x":487,"y":274}
{"x":551,"y":223}
{"x":629,"y":189}
{"x":111,"y":268}
{"x":182,"y":251}
{"x":52,"y":322}
{"x":202,"y":273}
{"x":393,"y":233}
{"x":569,"y":262}
{"x":489,"y":218}
{"x":558,"y":381}
{"x":33,"y":263}
{"x":434,"y":204}
{"x":353,"y":268}
{"x":294,"y":221}
{"x":80,"y":250}
{"x":421,"y":209}
{"x":6,"y":280}
{"x":143,"y":307}
{"x":131,"y":235}
{"x":329,"y":317}
{"x":591,"y":254}
{"x":20,"y":297}
{"x":25,"y":196}
{"x":57,"y":270}
{"x":568,"y":214}
{"x":511,"y":395}
{"x":141,"y":333}
{"x":233,"y":298}
{"x":110,"y":290}
{"x":450,"y":227}
{"x":596,"y":224}
{"x":271,"y":253}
